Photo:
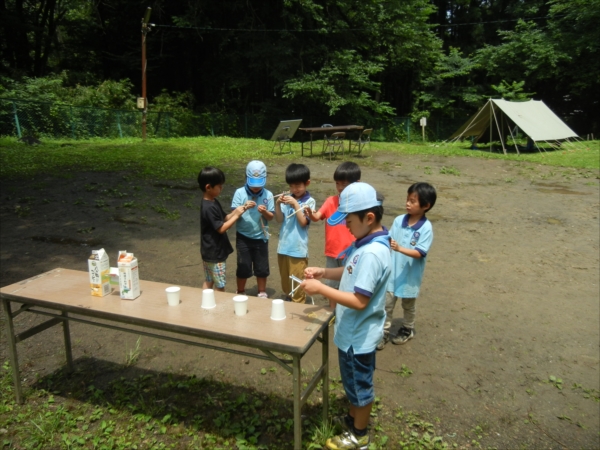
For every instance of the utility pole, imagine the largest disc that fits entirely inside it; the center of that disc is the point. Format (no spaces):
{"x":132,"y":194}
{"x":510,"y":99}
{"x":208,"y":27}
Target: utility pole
{"x":143,"y":101}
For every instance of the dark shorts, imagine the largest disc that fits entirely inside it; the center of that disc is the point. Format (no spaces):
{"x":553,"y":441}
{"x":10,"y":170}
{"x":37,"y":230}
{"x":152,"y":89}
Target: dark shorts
{"x":252,"y":257}
{"x":357,"y":376}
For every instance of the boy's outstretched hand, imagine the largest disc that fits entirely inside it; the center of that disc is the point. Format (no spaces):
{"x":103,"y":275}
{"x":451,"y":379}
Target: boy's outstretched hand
{"x":313,"y":272}
{"x":311,"y":286}
{"x":289,"y":200}
{"x":239,"y":210}
{"x":394,"y":245}
{"x":314,"y":216}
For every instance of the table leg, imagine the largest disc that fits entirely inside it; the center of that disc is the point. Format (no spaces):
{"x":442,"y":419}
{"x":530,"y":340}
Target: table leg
{"x":67,"y":335}
{"x":297,"y":380}
{"x":325,"y":362}
{"x":12,"y":350}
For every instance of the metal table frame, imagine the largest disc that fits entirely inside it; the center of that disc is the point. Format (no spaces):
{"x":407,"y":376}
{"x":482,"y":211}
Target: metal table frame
{"x":62,"y":314}
{"x":325,"y":130}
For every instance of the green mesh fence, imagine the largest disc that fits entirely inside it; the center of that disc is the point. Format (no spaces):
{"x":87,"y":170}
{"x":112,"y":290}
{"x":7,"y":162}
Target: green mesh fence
{"x":25,"y":118}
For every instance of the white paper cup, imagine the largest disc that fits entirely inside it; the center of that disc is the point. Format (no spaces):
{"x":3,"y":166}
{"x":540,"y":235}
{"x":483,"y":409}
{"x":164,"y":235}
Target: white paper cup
{"x":240,"y":305}
{"x":173,"y":295}
{"x":208,"y":299}
{"x":278,"y":310}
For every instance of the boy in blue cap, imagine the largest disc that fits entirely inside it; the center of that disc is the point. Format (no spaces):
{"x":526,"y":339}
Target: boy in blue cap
{"x":252,"y":230}
{"x":359,"y":306}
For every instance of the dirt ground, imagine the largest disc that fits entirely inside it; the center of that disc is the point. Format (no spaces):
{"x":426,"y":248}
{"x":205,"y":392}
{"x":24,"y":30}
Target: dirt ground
{"x":510,"y":296}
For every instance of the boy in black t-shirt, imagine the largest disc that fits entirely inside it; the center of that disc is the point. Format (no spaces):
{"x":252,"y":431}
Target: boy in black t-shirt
{"x":214,"y":242}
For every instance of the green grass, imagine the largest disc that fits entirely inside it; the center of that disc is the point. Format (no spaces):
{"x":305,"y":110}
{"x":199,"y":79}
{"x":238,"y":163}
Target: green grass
{"x":581,"y":155}
{"x":182,"y":158}
{"x":102,"y":406}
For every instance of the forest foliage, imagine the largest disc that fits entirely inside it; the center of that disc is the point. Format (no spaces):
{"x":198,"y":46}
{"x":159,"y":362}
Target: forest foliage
{"x":342,"y":59}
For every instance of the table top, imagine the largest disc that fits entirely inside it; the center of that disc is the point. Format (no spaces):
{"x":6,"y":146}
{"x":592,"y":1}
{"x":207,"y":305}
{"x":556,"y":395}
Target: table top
{"x":69,"y":290}
{"x":332,"y":129}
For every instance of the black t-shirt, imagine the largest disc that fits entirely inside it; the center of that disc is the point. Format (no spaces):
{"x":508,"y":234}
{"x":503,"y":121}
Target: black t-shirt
{"x":214,"y":246}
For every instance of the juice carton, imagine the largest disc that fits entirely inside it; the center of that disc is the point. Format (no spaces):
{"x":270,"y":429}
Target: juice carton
{"x":99,"y":269}
{"x":129,"y":276}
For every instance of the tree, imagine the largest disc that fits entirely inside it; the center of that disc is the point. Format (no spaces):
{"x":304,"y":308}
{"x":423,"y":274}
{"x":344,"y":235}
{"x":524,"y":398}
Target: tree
{"x":344,"y":83}
{"x":448,"y":89}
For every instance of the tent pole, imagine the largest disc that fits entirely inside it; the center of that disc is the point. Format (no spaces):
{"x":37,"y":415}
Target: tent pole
{"x":502,"y":131}
{"x":499,"y":134}
{"x":514,"y":140}
{"x":491,"y":145}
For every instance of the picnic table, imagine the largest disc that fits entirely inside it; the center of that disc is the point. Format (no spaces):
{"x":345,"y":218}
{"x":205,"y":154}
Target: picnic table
{"x":316,"y":131}
{"x":64,"y":296}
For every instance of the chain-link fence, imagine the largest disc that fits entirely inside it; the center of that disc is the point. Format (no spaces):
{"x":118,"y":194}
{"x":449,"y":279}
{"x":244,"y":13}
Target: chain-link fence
{"x":37,"y":119}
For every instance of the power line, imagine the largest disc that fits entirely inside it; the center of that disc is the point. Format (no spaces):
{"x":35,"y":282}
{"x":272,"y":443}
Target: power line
{"x":342,"y":30}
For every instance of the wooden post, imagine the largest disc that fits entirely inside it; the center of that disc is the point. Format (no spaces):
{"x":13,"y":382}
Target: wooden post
{"x":145,"y":30}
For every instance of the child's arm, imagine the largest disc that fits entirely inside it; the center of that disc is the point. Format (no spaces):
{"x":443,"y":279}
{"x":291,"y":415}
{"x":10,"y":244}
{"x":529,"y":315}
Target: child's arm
{"x":315,"y":216}
{"x":331,"y":273}
{"x":349,"y":299}
{"x":268,"y":215}
{"x":231,"y":218}
{"x":405,"y":251}
{"x":291,"y":201}
{"x":278,"y":212}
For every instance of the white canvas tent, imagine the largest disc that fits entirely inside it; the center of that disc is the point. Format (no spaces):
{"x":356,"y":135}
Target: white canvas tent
{"x":497,"y":119}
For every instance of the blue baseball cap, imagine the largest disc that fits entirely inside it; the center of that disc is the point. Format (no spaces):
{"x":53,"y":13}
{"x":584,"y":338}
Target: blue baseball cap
{"x":256,"y":174}
{"x":355,"y":197}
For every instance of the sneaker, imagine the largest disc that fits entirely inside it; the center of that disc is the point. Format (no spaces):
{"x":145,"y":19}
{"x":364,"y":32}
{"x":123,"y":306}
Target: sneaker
{"x":263,"y":295}
{"x":384,"y":340}
{"x":404,"y":335}
{"x":341,"y":423}
{"x":347,"y":440}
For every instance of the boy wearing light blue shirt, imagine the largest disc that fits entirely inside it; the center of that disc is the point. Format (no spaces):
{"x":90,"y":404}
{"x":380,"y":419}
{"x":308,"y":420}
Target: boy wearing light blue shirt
{"x":252,"y":229}
{"x":291,"y":212}
{"x":411,"y":237}
{"x":359,"y":306}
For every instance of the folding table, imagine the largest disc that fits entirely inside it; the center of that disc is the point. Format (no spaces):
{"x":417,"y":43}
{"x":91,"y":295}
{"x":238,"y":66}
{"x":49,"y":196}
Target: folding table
{"x":64,"y":296}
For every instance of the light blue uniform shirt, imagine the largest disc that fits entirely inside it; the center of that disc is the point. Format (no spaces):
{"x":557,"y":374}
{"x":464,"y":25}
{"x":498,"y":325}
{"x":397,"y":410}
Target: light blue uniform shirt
{"x":366,"y":271}
{"x":252,"y":224}
{"x":407,"y":272}
{"x":293,"y":237}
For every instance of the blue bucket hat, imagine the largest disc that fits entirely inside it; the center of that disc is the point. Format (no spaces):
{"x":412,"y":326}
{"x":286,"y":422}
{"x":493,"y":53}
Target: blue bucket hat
{"x":256,"y":174}
{"x":355,"y":197}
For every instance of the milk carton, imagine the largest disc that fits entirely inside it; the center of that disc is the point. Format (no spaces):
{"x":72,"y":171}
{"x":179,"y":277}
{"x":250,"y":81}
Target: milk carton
{"x":129,"y":277}
{"x":114,"y":277}
{"x":99,"y":269}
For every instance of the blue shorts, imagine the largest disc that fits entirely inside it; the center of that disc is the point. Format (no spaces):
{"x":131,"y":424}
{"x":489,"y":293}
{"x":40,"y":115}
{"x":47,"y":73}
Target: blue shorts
{"x":357,"y":376}
{"x":215,"y":273}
